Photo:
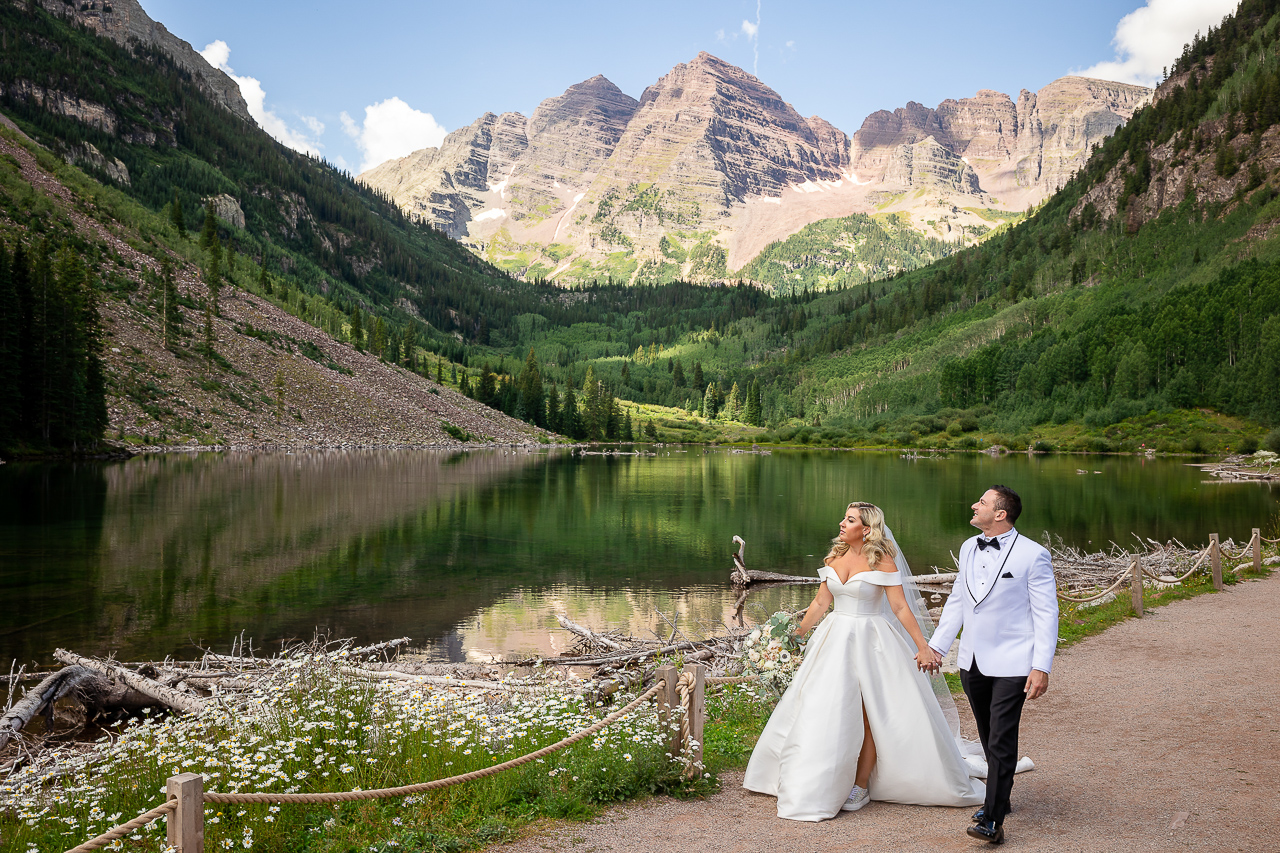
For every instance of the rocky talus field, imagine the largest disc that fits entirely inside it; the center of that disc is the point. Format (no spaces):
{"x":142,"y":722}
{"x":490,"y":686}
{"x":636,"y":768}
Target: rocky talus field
{"x":277,"y":381}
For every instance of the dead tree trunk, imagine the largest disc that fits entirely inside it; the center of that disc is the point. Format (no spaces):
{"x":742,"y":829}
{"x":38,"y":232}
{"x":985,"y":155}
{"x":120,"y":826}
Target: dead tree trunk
{"x":174,"y":700}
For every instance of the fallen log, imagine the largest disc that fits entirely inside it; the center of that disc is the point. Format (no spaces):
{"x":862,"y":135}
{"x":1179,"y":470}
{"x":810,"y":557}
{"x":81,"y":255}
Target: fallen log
{"x":750,"y":576}
{"x":98,"y":695}
{"x":175,"y":700}
{"x":591,"y":636}
{"x":38,"y":698}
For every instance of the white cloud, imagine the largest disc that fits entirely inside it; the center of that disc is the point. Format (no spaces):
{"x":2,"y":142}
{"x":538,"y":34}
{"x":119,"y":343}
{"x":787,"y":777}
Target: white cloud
{"x":752,"y":31}
{"x":720,"y":35}
{"x":1151,"y":38}
{"x":217,"y":55}
{"x":392,"y":129}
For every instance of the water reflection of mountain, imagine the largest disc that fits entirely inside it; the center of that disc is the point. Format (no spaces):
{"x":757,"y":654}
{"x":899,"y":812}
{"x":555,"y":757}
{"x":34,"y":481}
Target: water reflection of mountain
{"x":199,"y":547}
{"x":472,"y":554}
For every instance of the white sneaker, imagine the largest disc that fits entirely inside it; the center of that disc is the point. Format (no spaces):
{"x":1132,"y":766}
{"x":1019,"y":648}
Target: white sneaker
{"x":858,"y":798}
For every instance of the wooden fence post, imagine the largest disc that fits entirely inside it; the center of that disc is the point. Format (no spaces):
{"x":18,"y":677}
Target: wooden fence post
{"x":1135,"y":584}
{"x":697,"y":711}
{"x":186,"y":823}
{"x":668,"y":702}
{"x":1257,"y":549}
{"x":1215,"y":560}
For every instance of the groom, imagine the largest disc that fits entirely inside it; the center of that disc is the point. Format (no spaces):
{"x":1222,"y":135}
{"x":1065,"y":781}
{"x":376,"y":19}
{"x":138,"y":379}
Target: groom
{"x":1005,"y":599}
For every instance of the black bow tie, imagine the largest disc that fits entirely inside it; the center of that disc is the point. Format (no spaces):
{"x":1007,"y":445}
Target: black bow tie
{"x":993,"y":542}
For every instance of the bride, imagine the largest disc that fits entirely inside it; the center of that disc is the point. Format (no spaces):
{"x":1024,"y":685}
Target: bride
{"x":860,"y":719}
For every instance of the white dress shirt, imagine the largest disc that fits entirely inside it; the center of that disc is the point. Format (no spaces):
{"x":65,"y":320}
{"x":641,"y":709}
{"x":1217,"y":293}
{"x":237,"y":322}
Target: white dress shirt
{"x":987,"y":562}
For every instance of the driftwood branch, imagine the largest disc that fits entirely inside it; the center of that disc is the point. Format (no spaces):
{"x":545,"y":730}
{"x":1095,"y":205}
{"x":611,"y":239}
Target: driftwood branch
{"x":42,"y":696}
{"x":173,"y":699}
{"x":753,"y":576}
{"x":587,"y":634}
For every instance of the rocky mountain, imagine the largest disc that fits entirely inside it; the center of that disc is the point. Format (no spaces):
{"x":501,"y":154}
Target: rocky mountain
{"x":711,"y":165}
{"x":125,"y":20}
{"x":1022,"y":151}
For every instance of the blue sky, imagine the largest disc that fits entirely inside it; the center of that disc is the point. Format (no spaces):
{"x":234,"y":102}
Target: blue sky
{"x":360,"y":83}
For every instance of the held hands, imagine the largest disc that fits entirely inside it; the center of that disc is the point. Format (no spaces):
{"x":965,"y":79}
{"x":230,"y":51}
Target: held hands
{"x":927,"y":660}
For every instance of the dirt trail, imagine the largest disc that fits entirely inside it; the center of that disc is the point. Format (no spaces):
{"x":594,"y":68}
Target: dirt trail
{"x":1161,"y":734}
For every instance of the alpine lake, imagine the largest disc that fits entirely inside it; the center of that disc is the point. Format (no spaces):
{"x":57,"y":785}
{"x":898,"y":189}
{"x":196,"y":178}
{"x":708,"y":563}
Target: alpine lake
{"x":472,"y":554}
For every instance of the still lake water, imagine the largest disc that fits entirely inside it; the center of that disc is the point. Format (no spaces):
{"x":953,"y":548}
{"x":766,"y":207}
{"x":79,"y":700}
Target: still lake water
{"x":472,"y":554}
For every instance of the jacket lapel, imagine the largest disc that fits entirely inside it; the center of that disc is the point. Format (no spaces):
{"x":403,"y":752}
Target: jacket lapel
{"x":999,"y":571}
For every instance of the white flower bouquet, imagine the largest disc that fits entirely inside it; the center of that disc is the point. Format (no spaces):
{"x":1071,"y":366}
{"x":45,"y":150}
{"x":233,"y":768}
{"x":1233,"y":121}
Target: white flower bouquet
{"x":772,"y":652}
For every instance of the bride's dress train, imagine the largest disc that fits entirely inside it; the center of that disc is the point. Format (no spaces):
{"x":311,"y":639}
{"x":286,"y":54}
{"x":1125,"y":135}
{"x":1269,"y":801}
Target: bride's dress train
{"x":858,"y":661}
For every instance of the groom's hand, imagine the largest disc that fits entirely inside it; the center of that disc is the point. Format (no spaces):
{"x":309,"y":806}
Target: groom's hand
{"x":927,"y":660}
{"x":1037,"y":684}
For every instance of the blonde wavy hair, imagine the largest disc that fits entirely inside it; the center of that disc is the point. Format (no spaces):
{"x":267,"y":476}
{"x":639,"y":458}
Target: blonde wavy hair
{"x":875,"y":544}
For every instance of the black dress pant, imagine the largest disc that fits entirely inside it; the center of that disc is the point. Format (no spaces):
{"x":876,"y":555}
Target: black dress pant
{"x":997,"y":710}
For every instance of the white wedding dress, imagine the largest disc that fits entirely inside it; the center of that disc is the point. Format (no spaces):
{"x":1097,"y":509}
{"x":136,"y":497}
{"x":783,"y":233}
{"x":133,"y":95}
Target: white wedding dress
{"x":857,"y":658}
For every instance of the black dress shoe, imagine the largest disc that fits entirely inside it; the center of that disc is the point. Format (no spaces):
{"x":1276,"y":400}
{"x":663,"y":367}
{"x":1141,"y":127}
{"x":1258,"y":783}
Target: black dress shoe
{"x":987,"y":831}
{"x":981,"y":814}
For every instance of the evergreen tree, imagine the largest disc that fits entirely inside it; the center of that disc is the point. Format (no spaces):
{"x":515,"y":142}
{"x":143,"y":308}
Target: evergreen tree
{"x":553,"y":410}
{"x":594,"y":416}
{"x":378,"y":340}
{"x":264,"y":281}
{"x":531,"y":390}
{"x":209,"y":231}
{"x":733,"y":405}
{"x":677,"y":375}
{"x":698,"y":378}
{"x":711,"y":402}
{"x":171,"y":317}
{"x":357,"y":330}
{"x":627,"y":434}
{"x":487,"y":392}
{"x":10,"y":354}
{"x":213,"y":272}
{"x":175,"y":214}
{"x":453,"y":374}
{"x":570,"y":416}
{"x":208,"y":329}
{"x":754,"y":415}
{"x":440,"y":371}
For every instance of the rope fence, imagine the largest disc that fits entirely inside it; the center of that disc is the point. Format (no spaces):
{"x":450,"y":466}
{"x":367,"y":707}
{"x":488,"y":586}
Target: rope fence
{"x":186,"y":795}
{"x":681,"y":694}
{"x":126,"y":828}
{"x":1214,"y":552}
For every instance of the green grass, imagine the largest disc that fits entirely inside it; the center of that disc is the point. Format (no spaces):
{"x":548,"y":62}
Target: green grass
{"x":316,"y":729}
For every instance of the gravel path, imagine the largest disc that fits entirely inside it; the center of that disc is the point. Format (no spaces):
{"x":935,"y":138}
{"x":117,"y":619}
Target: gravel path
{"x":1160,"y":734}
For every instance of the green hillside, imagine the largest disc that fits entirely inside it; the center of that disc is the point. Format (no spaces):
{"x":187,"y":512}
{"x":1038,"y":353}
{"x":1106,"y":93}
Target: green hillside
{"x":843,"y":252}
{"x":1137,"y":305}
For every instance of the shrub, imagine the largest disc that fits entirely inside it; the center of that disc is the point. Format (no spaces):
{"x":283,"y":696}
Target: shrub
{"x":1248,"y":445}
{"x":904,"y":439}
{"x":968,"y":442}
{"x":1043,"y":447}
{"x":1272,"y":441}
{"x":968,"y":423}
{"x":456,"y":432}
{"x":1196,"y":443}
{"x":954,"y":429}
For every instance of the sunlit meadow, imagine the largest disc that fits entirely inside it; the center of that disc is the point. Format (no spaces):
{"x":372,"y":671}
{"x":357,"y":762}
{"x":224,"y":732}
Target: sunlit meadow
{"x":313,"y":726}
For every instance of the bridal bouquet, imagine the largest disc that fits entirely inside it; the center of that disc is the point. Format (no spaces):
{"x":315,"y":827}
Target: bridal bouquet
{"x":772,"y":652}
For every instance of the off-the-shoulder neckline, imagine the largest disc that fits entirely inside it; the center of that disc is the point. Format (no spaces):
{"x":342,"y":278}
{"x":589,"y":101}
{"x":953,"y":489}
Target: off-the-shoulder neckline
{"x":856,"y":574}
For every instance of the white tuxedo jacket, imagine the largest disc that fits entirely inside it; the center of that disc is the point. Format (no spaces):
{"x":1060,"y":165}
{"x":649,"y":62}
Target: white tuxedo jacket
{"x":1012,"y":627}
